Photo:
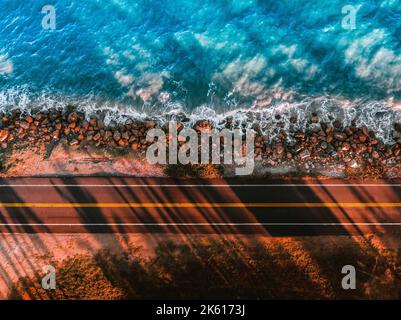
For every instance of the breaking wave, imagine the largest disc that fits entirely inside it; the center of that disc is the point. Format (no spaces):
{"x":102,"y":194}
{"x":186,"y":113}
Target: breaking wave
{"x":293,"y":114}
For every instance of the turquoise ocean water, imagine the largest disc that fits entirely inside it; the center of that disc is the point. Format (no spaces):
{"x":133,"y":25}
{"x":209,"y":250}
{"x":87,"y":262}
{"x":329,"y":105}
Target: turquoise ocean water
{"x":204,"y":58}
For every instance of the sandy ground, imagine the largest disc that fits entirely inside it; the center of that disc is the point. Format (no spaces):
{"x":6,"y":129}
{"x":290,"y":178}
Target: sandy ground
{"x":66,"y":161}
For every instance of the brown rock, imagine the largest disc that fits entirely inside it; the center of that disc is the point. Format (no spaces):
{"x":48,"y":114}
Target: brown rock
{"x":135,"y":146}
{"x":380,"y":146}
{"x":100,"y":124}
{"x":300,"y":136}
{"x":54,"y":115}
{"x":375,"y":155}
{"x":96,"y":137}
{"x":337,"y":123}
{"x":280,"y":150}
{"x":304,"y":154}
{"x":283,"y":134}
{"x":24,"y":125}
{"x":107,"y":135}
{"x":72,"y":117}
{"x":203,"y":126}
{"x":346,"y":146}
{"x":362,"y":138}
{"x":360,"y":148}
{"x":365,"y":131}
{"x":149,"y":124}
{"x":3,"y":135}
{"x":339,"y":136}
{"x":256,"y":127}
{"x":56,"y":135}
{"x":74,"y":142}
{"x":269,"y":149}
{"x":125,"y":136}
{"x":93,"y":122}
{"x":348,"y":131}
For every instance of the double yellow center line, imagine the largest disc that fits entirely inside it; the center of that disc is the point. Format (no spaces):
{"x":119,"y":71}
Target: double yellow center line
{"x":203,"y":205}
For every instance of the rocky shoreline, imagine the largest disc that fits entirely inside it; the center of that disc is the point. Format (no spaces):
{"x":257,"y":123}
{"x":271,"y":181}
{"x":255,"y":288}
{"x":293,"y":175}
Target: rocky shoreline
{"x":325,"y":148}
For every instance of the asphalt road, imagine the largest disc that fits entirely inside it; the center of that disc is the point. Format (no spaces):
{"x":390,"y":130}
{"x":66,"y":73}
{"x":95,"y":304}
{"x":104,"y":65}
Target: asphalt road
{"x":271,"y":207}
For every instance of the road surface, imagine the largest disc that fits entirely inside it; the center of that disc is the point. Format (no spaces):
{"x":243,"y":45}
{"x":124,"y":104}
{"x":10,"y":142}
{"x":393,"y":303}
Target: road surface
{"x":148,"y":205}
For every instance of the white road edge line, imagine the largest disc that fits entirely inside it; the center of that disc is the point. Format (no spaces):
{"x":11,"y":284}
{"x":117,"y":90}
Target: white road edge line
{"x":206,"y":224}
{"x":189,"y":185}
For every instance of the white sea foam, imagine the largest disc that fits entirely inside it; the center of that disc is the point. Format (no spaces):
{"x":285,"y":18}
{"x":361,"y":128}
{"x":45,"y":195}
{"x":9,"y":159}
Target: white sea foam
{"x":6,"y":65}
{"x":281,"y":112}
{"x":374,"y":61}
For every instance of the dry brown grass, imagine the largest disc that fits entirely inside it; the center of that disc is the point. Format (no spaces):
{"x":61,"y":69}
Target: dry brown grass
{"x":284,"y":268}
